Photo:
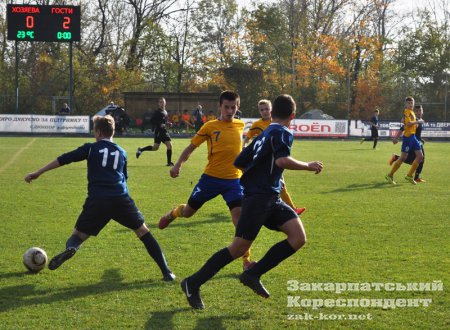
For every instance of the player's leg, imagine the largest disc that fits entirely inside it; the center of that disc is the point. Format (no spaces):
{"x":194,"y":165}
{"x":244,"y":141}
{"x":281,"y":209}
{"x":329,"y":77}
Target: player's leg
{"x":179,"y":211}
{"x":90,"y":222}
{"x":206,"y":189}
{"x":410,"y":158}
{"x":154,"y":250}
{"x":232,"y":193}
{"x":191,"y":285}
{"x":168,"y":144}
{"x":405,"y":146}
{"x":235,"y":214}
{"x":375,"y":137}
{"x":125,"y":212}
{"x":414,"y":165}
{"x":154,"y":147}
{"x":285,"y":220}
{"x":286,"y":197}
{"x":72,"y":245}
{"x":250,"y":222}
{"x":417,"y":177}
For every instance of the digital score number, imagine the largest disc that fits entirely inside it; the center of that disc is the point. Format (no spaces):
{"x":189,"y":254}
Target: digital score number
{"x":43,"y":23}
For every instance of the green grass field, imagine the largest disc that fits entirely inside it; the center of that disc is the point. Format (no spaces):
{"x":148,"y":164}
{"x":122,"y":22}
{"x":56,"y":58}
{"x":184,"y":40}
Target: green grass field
{"x":360,"y":230}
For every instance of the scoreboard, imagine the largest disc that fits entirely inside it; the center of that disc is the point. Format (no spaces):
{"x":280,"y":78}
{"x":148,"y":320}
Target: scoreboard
{"x":43,"y":23}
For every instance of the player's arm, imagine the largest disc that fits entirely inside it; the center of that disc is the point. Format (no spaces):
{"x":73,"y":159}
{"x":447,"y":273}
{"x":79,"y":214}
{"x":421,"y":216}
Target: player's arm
{"x":290,"y":163}
{"x":34,"y":175}
{"x":175,"y":171}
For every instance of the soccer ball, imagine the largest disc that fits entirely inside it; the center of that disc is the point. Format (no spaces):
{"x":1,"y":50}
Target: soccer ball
{"x":35,"y":259}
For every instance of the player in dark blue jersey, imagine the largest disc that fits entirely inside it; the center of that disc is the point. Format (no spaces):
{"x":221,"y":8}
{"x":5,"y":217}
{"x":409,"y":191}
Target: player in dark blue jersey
{"x":108,"y":196}
{"x":263,"y":162}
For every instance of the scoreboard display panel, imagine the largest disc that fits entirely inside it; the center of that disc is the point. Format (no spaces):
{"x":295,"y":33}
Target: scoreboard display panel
{"x":43,"y":23}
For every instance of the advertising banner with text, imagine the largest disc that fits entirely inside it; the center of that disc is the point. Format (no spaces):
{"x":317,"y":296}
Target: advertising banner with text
{"x":44,"y":124}
{"x":311,"y":127}
{"x":389,"y":129}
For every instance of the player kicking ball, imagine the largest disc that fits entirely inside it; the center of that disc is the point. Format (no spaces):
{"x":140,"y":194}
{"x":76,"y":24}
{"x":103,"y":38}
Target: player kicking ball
{"x":263,"y":162}
{"x":108,"y":196}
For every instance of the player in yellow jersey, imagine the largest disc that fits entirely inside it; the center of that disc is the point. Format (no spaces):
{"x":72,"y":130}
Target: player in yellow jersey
{"x":265,"y":109}
{"x":409,"y":142}
{"x":220,"y":177}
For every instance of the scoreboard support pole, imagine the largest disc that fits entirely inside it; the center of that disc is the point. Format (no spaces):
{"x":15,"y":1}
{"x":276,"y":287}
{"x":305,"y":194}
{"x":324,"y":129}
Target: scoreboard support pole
{"x":17,"y":76}
{"x":70,"y":76}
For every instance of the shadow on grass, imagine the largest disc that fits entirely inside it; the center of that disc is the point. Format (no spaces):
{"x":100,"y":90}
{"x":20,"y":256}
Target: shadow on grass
{"x":189,"y":222}
{"x":164,"y":320}
{"x":26,"y":295}
{"x":363,"y":186}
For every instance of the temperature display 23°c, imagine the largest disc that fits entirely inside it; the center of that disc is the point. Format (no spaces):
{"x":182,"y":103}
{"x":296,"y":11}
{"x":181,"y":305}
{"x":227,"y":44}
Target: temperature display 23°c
{"x":43,"y":23}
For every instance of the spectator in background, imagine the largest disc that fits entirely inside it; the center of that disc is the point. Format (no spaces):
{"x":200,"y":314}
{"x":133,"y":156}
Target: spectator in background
{"x":186,"y":117}
{"x":65,"y":110}
{"x":176,"y":122}
{"x":198,"y":118}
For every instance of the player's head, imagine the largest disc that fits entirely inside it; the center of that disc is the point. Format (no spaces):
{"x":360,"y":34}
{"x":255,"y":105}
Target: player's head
{"x":162,"y":103}
{"x":265,"y":108}
{"x":376,"y":111}
{"x":283,"y":107}
{"x":418,"y":110}
{"x":409,"y":102}
{"x":104,"y":126}
{"x":229,"y":102}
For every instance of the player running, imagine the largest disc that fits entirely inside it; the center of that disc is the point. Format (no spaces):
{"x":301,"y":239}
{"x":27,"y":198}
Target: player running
{"x":220,"y":177}
{"x":263,"y":162}
{"x":160,"y":121}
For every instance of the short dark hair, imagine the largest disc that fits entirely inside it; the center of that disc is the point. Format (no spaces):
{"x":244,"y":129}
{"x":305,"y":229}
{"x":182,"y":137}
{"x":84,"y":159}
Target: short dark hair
{"x":283,"y":107}
{"x":105,"y":125}
{"x":230,"y":96}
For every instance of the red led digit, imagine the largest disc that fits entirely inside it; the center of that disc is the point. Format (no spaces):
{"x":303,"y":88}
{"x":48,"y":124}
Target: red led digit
{"x":66,"y":23}
{"x":29,"y":22}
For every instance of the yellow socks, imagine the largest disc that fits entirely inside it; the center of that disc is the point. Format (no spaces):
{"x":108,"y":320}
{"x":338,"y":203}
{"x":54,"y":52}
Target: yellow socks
{"x":178,"y":211}
{"x":286,"y":197}
{"x":246,"y":256}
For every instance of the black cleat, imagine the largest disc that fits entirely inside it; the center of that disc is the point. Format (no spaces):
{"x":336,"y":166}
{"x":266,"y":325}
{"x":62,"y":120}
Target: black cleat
{"x":192,"y":295}
{"x":61,"y":258}
{"x":138,"y":152}
{"x":169,"y":277}
{"x":255,"y":284}
{"x":170,"y":164}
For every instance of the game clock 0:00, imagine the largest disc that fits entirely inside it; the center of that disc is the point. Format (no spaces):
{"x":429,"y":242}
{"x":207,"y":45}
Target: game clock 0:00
{"x":43,"y":23}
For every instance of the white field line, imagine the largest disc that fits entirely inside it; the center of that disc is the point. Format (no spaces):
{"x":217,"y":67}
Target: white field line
{"x":16,"y":155}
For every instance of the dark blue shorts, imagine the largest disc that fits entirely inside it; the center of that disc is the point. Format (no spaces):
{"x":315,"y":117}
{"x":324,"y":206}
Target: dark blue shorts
{"x":209,"y":187}
{"x":262,"y":210}
{"x":98,"y":212}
